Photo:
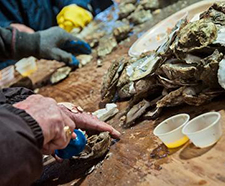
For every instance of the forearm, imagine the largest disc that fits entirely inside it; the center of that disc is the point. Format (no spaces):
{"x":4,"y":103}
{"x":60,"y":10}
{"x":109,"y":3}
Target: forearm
{"x":16,"y":45}
{"x":20,"y":138}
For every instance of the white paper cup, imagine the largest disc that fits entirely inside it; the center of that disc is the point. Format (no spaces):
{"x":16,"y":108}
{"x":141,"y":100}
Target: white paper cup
{"x":170,"y":130}
{"x":204,"y":130}
{"x":26,"y":66}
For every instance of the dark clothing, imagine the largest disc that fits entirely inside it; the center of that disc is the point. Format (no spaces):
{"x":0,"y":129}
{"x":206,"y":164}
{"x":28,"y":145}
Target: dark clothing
{"x":41,"y":14}
{"x":21,"y":139}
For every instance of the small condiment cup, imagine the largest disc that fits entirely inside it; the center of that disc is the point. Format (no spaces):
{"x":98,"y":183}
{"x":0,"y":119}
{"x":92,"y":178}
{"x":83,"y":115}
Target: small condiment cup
{"x":170,"y":130}
{"x":204,"y":130}
{"x":26,"y":66}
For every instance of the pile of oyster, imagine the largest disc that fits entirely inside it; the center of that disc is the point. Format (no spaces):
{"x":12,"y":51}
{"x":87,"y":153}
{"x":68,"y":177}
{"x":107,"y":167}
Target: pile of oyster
{"x":104,"y":35}
{"x":188,"y":68}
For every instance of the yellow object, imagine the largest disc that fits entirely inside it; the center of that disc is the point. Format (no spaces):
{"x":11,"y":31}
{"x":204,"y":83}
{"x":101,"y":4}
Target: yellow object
{"x":73,"y":16}
{"x":177,"y":143}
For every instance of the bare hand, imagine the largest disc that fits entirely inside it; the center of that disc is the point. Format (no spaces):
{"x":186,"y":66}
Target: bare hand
{"x":51,"y":119}
{"x":22,"y":28}
{"x":87,"y":121}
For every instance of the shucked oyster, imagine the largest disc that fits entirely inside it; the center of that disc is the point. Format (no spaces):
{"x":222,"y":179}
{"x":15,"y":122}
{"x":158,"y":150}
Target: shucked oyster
{"x":97,"y":146}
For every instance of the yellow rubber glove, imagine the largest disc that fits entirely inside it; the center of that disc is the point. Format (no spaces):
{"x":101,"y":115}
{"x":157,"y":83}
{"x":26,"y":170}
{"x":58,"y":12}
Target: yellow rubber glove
{"x":73,"y":16}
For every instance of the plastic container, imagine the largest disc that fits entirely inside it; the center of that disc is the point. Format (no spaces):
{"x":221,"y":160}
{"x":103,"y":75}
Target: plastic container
{"x":26,"y":66}
{"x":75,"y":147}
{"x":156,"y":35}
{"x":170,"y":130}
{"x":6,"y":75}
{"x":204,"y":130}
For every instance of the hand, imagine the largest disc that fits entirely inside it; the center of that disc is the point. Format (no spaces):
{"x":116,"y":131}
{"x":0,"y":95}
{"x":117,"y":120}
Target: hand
{"x":22,"y":28}
{"x":51,"y":119}
{"x":87,"y":121}
{"x":73,"y":16}
{"x":55,"y":44}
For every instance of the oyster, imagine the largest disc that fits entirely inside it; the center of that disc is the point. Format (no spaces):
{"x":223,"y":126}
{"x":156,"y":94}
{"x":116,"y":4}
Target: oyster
{"x":111,"y":79}
{"x":60,"y":74}
{"x":144,"y":67}
{"x":150,"y":4}
{"x":121,"y":32}
{"x":125,"y":10}
{"x":84,"y":59}
{"x":210,"y":69}
{"x":197,"y":96}
{"x":106,"y":45}
{"x":127,"y":91}
{"x":139,"y":17}
{"x":174,"y":98}
{"x":107,"y":112}
{"x":97,"y":146}
{"x":215,"y":16}
{"x":180,"y":72}
{"x":196,"y":35}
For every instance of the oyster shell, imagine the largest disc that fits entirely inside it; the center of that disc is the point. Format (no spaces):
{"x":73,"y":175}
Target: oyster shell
{"x":172,"y":99}
{"x":60,"y":74}
{"x":111,"y":79}
{"x":196,"y":35}
{"x":127,"y":91}
{"x":84,"y":59}
{"x":180,"y":72}
{"x":196,"y":96}
{"x":144,"y":67}
{"x":210,"y":69}
{"x":106,"y":45}
{"x":121,"y":32}
{"x":214,"y":16}
{"x":97,"y":146}
{"x":125,"y":10}
{"x":149,"y":4}
{"x":139,"y":17}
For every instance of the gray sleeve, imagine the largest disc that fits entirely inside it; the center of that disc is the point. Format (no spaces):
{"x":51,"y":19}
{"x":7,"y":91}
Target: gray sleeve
{"x":16,"y":45}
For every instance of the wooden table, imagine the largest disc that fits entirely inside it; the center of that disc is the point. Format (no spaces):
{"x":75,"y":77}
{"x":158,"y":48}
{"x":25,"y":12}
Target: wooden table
{"x":129,"y":161}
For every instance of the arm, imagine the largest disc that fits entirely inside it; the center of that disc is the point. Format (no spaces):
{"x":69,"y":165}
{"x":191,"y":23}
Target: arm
{"x":21,"y":140}
{"x":47,"y":44}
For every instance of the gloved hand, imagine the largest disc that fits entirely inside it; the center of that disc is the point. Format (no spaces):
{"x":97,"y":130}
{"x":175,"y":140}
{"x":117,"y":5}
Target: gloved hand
{"x":73,"y":16}
{"x":55,"y":44}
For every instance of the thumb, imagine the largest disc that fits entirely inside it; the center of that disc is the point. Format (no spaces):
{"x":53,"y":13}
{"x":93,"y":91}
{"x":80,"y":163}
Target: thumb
{"x":61,"y":55}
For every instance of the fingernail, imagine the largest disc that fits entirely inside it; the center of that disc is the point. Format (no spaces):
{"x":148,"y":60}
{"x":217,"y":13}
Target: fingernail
{"x":116,"y":133}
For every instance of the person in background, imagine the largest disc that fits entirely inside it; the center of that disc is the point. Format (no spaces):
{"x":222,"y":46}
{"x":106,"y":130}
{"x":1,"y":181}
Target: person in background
{"x":30,"y":124}
{"x":34,"y":15}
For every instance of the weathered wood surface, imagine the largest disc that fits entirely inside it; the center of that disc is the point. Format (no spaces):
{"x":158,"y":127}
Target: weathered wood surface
{"x":130,"y":163}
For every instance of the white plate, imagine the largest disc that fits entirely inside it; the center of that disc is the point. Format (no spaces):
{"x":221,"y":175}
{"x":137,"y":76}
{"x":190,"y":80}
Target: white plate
{"x":152,"y":39}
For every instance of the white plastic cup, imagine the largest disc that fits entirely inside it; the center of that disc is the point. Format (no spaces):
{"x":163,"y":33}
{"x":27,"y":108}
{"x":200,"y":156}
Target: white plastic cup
{"x":26,"y":66}
{"x":204,"y":130}
{"x":170,"y":130}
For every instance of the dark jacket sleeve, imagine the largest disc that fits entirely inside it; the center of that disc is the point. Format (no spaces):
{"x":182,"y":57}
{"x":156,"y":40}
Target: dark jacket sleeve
{"x":16,"y":45}
{"x":21,"y":139}
{"x":62,"y":3}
